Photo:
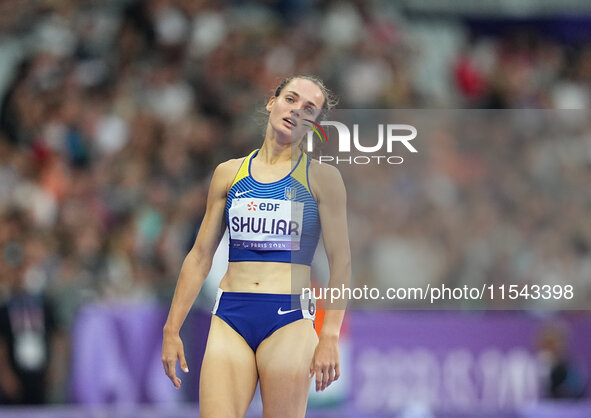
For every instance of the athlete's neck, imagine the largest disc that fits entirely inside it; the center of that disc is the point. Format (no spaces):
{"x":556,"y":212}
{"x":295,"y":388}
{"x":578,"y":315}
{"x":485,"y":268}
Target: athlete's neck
{"x":272,"y":152}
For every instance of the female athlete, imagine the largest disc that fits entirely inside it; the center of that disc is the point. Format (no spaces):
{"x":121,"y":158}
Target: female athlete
{"x":262,"y":327}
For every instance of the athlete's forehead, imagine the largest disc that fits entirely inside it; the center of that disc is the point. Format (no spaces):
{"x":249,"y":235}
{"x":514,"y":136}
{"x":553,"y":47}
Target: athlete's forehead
{"x":306,"y":90}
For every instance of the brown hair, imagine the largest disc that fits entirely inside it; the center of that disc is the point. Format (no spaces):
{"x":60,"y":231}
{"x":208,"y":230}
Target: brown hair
{"x":330,"y":100}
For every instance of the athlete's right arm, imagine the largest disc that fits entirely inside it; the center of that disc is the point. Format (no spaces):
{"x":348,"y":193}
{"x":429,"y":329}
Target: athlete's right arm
{"x":195,"y":268}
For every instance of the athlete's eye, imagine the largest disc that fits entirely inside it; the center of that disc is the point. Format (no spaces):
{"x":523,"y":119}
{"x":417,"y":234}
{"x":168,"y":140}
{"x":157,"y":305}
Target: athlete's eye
{"x":289,"y":99}
{"x":309,"y":111}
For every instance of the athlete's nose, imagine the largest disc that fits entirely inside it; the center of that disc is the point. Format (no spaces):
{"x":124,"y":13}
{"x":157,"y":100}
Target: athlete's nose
{"x":295,"y":114}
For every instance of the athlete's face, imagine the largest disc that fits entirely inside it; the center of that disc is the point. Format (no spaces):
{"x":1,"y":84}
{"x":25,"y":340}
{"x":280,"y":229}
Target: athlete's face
{"x":299,"y":100}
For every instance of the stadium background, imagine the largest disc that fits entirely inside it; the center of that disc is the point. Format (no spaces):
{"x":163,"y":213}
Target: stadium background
{"x":114,"y":114}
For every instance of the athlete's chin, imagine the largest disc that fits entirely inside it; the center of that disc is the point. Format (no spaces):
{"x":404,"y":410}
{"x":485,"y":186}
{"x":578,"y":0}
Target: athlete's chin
{"x":287,"y":135}
{"x":287,"y":138}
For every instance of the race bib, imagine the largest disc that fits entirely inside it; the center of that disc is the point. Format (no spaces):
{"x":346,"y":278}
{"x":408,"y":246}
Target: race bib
{"x":265,"y":224}
{"x":29,"y":350}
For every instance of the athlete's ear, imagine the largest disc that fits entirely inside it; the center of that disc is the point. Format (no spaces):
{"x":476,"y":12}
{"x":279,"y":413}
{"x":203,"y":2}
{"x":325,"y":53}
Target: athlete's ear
{"x":270,"y":103}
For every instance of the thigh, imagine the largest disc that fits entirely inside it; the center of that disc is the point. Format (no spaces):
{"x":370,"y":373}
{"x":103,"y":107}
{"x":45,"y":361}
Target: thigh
{"x":283,"y":361}
{"x":228,"y":374}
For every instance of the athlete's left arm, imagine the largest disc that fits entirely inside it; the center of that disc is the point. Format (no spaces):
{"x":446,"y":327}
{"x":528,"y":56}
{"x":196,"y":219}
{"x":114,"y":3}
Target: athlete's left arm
{"x":329,"y":190}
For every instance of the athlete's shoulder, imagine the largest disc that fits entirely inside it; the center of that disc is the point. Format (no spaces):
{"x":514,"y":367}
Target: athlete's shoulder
{"x":324,"y":178}
{"x":230,"y":166}
{"x":225,"y":172}
{"x":323,"y":171}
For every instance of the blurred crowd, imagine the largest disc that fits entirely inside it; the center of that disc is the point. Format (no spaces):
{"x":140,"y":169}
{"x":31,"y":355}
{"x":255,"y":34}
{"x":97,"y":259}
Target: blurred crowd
{"x":493,"y":197}
{"x":114,"y":114}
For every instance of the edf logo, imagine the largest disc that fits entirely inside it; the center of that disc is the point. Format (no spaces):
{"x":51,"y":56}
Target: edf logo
{"x":269,"y":207}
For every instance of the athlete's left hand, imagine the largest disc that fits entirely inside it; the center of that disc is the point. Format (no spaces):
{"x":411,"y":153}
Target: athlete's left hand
{"x":325,"y":363}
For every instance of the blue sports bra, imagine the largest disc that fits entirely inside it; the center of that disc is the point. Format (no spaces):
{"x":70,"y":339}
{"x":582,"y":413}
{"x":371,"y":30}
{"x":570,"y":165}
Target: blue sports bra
{"x":272,"y":221}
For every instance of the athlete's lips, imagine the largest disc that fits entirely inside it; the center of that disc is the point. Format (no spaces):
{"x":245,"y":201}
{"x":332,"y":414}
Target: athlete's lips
{"x":291,"y":122}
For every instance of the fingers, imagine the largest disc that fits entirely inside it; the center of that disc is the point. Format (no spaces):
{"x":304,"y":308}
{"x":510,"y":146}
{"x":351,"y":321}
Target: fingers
{"x":319,"y":378}
{"x":326,"y":374}
{"x":170,"y":370}
{"x":183,"y":362}
{"x":172,"y":350}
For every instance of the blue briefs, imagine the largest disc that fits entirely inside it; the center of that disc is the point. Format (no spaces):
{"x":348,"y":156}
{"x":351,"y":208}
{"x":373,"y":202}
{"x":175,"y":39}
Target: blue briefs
{"x":255,"y":316}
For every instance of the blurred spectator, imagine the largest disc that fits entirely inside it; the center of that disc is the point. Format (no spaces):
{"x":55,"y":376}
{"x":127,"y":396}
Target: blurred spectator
{"x":564,"y":379}
{"x":28,"y":329}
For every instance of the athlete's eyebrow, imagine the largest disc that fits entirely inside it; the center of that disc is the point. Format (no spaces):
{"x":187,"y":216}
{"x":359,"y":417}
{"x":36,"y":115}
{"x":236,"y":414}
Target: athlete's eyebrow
{"x":297,"y":95}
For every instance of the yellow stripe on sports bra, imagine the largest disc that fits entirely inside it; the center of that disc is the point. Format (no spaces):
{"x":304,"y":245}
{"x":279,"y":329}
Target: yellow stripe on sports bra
{"x":243,"y":171}
{"x":299,"y":174}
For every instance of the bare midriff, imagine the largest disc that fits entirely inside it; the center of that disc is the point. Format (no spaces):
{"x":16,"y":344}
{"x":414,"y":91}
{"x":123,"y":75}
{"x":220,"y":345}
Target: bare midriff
{"x":266,"y":277}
